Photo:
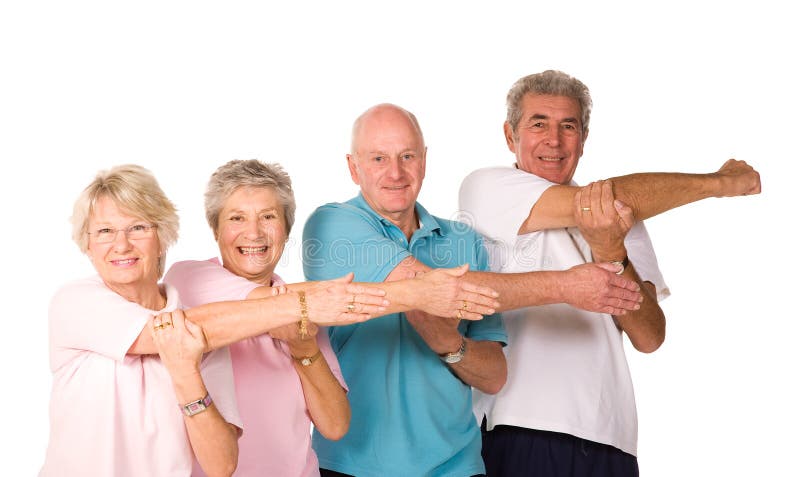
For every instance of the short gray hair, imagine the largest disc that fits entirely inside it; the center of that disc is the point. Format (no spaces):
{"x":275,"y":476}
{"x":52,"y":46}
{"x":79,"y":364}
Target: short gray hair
{"x":553,"y":83}
{"x":135,"y":191}
{"x":251,"y":173}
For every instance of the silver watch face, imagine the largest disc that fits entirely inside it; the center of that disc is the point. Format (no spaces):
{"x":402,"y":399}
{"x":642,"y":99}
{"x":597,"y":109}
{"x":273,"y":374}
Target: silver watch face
{"x":305,"y":361}
{"x":453,"y":358}
{"x":194,"y":408}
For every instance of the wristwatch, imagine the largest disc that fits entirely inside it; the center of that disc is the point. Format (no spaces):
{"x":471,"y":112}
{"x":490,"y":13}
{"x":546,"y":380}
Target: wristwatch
{"x":623,"y":263}
{"x":456,"y":356}
{"x":196,"y":407}
{"x":308,"y":360}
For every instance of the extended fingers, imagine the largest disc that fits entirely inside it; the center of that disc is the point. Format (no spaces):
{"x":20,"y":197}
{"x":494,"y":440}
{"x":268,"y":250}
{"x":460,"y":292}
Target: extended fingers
{"x":364,"y":308}
{"x":486,"y":292}
{"x":366,"y":299}
{"x":621,"y":282}
{"x":356,"y":289}
{"x":477,"y":302}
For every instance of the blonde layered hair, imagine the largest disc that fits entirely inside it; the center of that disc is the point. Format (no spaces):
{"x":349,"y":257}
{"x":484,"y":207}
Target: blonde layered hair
{"x":135,"y":191}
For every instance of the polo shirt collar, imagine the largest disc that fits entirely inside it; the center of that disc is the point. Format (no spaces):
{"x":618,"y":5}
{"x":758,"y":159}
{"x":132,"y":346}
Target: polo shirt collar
{"x":428,"y":223}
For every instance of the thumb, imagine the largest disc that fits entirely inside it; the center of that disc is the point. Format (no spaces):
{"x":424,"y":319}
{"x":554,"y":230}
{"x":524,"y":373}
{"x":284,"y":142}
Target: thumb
{"x":344,"y":279}
{"x":610,"y":267}
{"x":192,"y":328}
{"x":459,"y":270}
{"x":625,"y":212}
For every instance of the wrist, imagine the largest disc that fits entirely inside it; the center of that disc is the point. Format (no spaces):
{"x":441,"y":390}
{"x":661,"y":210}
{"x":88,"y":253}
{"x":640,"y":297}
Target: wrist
{"x":449,"y":345}
{"x":613,"y":254}
{"x":303,"y":347}
{"x":305,"y":360}
{"x":453,"y":357}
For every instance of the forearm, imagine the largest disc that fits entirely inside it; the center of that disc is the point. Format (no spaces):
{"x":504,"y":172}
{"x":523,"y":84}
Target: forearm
{"x":518,"y":290}
{"x":483,"y":366}
{"x":648,"y":194}
{"x":645,"y":327}
{"x":325,"y":399}
{"x":224,"y":323}
{"x":213,"y":440}
{"x":402,"y":295}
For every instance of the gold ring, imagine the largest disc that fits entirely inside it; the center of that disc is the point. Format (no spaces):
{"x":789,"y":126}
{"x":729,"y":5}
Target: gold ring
{"x":351,"y":307}
{"x":164,"y":324}
{"x":158,"y":327}
{"x":459,"y":315}
{"x":586,"y":209}
{"x":465,"y":306}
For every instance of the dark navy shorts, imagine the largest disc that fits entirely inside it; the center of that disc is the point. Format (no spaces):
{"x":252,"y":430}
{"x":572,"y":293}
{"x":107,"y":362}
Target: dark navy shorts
{"x":510,"y":451}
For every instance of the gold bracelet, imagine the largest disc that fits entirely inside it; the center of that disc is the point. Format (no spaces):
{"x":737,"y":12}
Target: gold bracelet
{"x":302,"y":325}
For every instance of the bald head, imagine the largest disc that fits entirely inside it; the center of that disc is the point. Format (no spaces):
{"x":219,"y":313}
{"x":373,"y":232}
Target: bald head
{"x":382,"y":116}
{"x":387,"y":161}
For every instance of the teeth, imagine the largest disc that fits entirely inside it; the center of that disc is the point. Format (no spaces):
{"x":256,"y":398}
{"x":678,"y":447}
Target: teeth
{"x":247,"y":250}
{"x":125,"y":262}
{"x":550,"y":159}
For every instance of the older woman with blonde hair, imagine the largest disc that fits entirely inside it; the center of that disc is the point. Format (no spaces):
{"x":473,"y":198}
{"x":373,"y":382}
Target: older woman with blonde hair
{"x":289,"y":378}
{"x":138,"y":394}
{"x":114,"y":411}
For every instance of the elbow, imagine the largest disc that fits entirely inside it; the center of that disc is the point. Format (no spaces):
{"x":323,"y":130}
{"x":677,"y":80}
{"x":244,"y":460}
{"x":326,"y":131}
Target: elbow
{"x":496,"y":382}
{"x":335,"y":431}
{"x":651,"y":343}
{"x":336,"y":428}
{"x":224,"y":470}
{"x":493,"y":387}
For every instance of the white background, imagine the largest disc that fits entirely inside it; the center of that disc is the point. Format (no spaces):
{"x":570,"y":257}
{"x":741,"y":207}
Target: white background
{"x":183,"y":87}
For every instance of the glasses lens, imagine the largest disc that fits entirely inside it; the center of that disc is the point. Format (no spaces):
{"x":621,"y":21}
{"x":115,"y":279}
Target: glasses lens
{"x":105,"y":235}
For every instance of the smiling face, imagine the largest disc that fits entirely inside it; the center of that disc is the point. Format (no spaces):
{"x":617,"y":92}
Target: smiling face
{"x":251,"y":233}
{"x":388,"y":162}
{"x":126,"y":266}
{"x":550,"y":137}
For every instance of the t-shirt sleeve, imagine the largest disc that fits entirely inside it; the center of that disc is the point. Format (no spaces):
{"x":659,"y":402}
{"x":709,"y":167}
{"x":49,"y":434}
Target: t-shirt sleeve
{"x":217,"y":372}
{"x":205,"y":281}
{"x":86,"y":315}
{"x":643,"y":257}
{"x":497,"y":201}
{"x":340,"y":238}
{"x":324,"y":344}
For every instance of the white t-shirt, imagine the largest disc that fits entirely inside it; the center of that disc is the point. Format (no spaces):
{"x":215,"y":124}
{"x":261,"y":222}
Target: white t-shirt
{"x":567,"y":370}
{"x":114,"y":414}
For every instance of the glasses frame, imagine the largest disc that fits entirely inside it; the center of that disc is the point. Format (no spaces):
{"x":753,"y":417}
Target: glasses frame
{"x":113,"y":233}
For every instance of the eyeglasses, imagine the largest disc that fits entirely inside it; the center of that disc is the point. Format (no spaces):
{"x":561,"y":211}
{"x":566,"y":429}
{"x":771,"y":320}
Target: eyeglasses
{"x":134,"y":232}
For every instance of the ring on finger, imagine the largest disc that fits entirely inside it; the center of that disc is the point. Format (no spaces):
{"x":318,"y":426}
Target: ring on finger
{"x":459,"y":315}
{"x":465,"y":306}
{"x":586,"y":209}
{"x":351,"y":307}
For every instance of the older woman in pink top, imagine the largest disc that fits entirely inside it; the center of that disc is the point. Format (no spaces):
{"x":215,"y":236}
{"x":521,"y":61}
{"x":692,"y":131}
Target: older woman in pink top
{"x":116,"y":411}
{"x":286,"y":379}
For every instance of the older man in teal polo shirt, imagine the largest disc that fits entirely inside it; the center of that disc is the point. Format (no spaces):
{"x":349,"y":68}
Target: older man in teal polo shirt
{"x":410,"y":374}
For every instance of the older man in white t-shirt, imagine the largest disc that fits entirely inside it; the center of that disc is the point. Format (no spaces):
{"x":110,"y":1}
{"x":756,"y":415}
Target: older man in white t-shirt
{"x":568,"y":406}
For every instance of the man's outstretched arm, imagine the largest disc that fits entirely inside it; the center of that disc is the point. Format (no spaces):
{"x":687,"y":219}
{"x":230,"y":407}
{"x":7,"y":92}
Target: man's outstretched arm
{"x":648,"y":194}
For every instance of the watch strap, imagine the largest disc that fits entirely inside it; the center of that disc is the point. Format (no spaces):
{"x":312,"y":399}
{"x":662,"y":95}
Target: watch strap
{"x":455,"y":356}
{"x":308,"y":360}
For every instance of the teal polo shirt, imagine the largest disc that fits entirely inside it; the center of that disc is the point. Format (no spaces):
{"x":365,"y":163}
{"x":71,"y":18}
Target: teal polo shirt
{"x":411,"y":416}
